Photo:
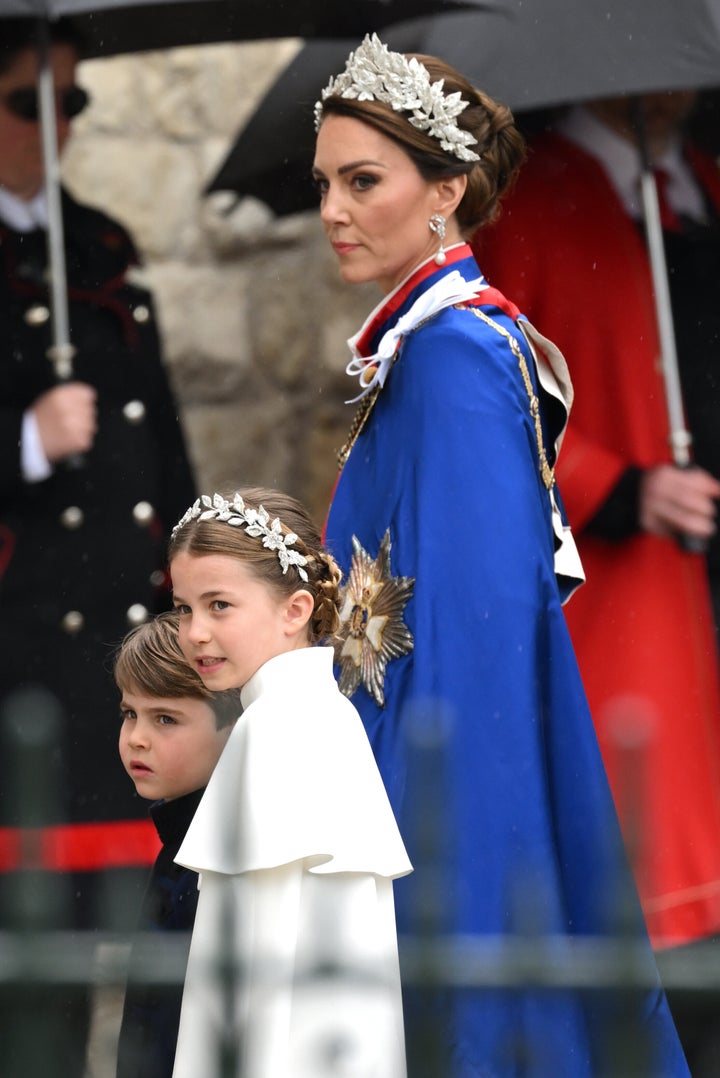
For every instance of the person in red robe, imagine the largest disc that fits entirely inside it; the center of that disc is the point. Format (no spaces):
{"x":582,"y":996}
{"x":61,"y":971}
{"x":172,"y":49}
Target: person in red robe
{"x":570,"y":248}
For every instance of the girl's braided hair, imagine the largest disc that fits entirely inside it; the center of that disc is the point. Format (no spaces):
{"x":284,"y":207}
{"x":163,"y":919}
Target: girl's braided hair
{"x":199,"y":537}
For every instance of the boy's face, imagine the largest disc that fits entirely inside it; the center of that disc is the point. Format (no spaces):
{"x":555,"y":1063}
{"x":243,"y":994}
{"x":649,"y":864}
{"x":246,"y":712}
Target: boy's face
{"x":168,"y":747}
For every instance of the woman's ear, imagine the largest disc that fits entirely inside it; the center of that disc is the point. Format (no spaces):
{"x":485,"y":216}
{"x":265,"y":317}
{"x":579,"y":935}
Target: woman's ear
{"x":450,"y":193}
{"x":298,"y":611}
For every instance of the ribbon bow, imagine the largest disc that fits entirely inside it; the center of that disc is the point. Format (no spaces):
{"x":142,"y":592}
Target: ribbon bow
{"x":449,"y":290}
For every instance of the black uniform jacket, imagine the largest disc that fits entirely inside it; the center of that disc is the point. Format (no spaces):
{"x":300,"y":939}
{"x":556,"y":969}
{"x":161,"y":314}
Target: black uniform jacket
{"x":151,"y":1015}
{"x":82,"y":553}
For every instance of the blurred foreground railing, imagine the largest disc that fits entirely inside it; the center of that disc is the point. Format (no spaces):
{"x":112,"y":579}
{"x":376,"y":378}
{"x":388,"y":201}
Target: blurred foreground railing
{"x":549,"y":963}
{"x":41,"y":965}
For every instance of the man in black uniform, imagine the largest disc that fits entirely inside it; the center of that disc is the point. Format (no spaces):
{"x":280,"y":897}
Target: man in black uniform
{"x":93,"y":474}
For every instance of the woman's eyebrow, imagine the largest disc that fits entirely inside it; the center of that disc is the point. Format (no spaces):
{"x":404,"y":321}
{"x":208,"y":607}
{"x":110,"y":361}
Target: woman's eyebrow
{"x":359,"y":164}
{"x":352,"y":165}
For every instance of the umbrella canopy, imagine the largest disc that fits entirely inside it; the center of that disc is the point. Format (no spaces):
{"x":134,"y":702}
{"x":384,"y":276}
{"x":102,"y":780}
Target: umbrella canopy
{"x":526,"y":53}
{"x":548,"y":52}
{"x":117,"y":26}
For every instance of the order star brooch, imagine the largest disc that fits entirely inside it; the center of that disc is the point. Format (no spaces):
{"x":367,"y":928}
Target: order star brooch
{"x":372,"y":630}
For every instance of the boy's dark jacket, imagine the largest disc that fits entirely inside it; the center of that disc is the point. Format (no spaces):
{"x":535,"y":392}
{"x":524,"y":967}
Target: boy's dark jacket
{"x":151,"y":1015}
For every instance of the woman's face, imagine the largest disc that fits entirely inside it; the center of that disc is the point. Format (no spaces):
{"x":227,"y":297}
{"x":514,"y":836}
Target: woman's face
{"x":374,"y":204}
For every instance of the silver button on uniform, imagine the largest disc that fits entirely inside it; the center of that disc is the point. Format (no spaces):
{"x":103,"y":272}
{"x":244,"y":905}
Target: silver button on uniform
{"x":37,"y":315}
{"x":143,"y":513}
{"x":137,"y":614}
{"x":134,"y":411}
{"x":73,"y":622}
{"x":72,"y":517}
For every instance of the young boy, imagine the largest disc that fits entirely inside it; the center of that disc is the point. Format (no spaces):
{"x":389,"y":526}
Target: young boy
{"x":173,"y":731}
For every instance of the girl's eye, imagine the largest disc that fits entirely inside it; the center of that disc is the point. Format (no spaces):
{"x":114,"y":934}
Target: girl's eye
{"x":220,"y":604}
{"x":166,"y":720}
{"x":182,"y":608}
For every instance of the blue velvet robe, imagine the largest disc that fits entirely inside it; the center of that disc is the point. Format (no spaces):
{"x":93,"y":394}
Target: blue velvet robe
{"x":512,"y":804}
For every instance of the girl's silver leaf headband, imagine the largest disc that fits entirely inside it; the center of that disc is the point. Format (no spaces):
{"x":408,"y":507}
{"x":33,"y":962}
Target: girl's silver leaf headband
{"x":256,"y":523}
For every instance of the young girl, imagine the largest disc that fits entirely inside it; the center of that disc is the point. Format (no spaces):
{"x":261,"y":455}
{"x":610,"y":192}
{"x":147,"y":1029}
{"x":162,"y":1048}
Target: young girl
{"x":293,"y":966}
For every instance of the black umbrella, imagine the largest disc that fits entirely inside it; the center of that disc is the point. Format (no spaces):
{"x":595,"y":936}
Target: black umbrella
{"x":114,"y":26}
{"x":528,"y":53}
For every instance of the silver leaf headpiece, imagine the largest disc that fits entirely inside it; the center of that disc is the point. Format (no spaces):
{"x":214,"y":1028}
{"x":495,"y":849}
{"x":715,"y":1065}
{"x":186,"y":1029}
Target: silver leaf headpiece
{"x":374,"y":73}
{"x":256,"y":523}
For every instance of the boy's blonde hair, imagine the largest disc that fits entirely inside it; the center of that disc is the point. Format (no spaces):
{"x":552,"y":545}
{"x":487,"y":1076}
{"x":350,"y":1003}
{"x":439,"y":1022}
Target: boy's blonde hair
{"x":149,"y":661}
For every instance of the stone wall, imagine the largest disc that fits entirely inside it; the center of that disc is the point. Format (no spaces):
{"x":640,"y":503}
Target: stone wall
{"x":253,"y":313}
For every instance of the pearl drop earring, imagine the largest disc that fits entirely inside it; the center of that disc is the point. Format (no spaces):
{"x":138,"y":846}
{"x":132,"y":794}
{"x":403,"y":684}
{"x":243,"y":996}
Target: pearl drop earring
{"x":437,"y":225}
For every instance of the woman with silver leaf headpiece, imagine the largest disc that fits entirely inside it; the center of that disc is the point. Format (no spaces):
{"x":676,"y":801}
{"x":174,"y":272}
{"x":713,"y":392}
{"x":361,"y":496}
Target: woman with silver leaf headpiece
{"x":449,"y":527}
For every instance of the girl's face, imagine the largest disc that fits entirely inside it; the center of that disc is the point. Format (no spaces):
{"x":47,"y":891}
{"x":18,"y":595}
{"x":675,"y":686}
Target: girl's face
{"x":230,"y":622}
{"x":374,"y":204}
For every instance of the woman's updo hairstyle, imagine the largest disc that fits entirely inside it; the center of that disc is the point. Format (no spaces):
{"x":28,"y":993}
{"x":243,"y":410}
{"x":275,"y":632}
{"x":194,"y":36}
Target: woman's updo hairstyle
{"x":498,"y":142}
{"x":200,"y":537}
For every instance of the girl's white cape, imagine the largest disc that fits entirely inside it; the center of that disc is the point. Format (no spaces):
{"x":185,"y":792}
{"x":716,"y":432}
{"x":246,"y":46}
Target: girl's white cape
{"x":293,"y":962}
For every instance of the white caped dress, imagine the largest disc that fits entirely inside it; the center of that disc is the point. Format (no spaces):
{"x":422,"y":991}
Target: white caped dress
{"x":294,"y":958}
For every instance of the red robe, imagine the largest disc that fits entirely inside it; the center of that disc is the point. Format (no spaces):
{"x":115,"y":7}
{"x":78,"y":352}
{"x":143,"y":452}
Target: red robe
{"x":568,"y":254}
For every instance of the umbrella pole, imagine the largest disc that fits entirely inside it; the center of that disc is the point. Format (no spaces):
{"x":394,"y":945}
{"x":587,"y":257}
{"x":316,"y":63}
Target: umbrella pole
{"x":61,"y":351}
{"x":679,"y":436}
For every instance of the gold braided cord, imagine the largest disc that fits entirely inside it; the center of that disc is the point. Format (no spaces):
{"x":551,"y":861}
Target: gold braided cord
{"x":547,"y":473}
{"x":359,"y":420}
{"x":368,"y":403}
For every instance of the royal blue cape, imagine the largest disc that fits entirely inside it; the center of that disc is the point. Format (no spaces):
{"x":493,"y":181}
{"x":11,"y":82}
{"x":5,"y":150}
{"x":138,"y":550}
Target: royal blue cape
{"x":514,"y":805}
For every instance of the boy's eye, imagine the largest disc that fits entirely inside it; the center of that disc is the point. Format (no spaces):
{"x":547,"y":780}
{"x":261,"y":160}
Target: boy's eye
{"x":166,"y":720}
{"x":127,"y":714}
